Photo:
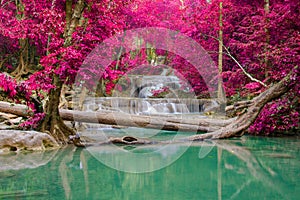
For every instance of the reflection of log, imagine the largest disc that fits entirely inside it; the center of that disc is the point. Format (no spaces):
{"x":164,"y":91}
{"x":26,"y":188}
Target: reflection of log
{"x":23,"y":194}
{"x":116,"y":118}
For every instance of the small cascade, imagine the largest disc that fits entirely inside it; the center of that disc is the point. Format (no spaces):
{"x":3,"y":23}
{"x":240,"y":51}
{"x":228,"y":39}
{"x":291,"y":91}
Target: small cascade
{"x":175,"y":108}
{"x":141,"y":86}
{"x":151,"y":105}
{"x":139,"y":107}
{"x":142,"y":100}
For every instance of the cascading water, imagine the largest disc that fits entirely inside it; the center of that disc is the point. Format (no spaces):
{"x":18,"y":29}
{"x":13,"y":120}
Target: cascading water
{"x":139,"y":98}
{"x":150,"y":105}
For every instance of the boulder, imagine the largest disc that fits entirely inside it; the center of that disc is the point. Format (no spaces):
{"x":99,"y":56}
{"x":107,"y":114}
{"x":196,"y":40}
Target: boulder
{"x":17,"y":140}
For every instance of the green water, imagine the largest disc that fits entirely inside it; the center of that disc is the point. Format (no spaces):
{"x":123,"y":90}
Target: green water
{"x":246,"y":168}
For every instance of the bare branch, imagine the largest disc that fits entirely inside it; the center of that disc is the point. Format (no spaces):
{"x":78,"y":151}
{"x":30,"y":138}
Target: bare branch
{"x":235,"y":60}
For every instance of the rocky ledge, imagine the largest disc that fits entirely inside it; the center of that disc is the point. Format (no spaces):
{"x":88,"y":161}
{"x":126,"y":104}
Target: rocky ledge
{"x":17,"y":140}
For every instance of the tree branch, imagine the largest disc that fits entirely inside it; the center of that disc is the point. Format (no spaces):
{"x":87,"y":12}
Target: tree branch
{"x":235,"y":60}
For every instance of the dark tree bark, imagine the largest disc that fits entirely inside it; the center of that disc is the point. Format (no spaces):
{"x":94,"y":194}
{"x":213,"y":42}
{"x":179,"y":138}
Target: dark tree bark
{"x":53,"y":123}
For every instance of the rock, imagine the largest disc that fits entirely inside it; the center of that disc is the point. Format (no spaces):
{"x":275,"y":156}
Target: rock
{"x":76,"y":140}
{"x":93,"y":107}
{"x":3,"y":126}
{"x":211,"y":106}
{"x":16,"y":140}
{"x":146,"y":92}
{"x":129,"y":140}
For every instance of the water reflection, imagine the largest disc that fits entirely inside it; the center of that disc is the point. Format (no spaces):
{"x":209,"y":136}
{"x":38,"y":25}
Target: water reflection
{"x":138,"y":159}
{"x":247,"y":168}
{"x":17,"y":161}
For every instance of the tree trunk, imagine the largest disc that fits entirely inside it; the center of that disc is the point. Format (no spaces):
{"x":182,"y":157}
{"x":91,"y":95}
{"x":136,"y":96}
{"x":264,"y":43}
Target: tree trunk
{"x":68,"y":16}
{"x":221,"y":95}
{"x":72,"y":24}
{"x":267,"y":20}
{"x":53,"y":123}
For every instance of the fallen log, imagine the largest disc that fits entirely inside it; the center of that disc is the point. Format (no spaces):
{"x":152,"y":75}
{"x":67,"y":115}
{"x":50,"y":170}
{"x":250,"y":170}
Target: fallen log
{"x":241,"y":124}
{"x":239,"y":105}
{"x":146,"y":121}
{"x":16,"y":109}
{"x":163,"y":122}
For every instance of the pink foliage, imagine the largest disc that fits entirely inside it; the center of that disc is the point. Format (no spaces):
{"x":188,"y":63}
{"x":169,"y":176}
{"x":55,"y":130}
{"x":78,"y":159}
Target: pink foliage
{"x":274,"y":118}
{"x":160,"y":92}
{"x":33,"y":121}
{"x":245,"y":26}
{"x":8,"y":85}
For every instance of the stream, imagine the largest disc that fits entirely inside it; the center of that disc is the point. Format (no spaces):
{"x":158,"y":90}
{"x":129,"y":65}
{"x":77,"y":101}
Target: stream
{"x":243,"y":168}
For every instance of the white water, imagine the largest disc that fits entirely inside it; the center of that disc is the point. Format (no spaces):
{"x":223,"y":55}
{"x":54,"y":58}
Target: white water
{"x":150,"y":105}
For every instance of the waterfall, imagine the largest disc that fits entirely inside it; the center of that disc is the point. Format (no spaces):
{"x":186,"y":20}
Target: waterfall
{"x":150,"y":105}
{"x":143,"y":101}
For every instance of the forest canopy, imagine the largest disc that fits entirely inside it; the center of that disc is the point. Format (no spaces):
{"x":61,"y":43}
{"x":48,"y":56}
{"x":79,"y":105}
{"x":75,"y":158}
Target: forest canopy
{"x":254,"y":43}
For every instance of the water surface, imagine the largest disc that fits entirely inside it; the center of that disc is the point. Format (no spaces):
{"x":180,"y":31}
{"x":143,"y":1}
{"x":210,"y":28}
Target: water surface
{"x":245,"y":168}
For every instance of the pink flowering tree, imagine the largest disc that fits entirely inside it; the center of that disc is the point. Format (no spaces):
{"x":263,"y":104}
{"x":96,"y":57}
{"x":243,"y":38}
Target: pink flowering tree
{"x":44,"y":43}
{"x":264,"y":42}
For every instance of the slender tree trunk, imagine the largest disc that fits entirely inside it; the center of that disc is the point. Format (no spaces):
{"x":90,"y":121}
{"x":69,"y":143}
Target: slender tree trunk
{"x":23,"y":42}
{"x":221,"y":95}
{"x":77,"y":14}
{"x":68,"y":16}
{"x":266,"y":59}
